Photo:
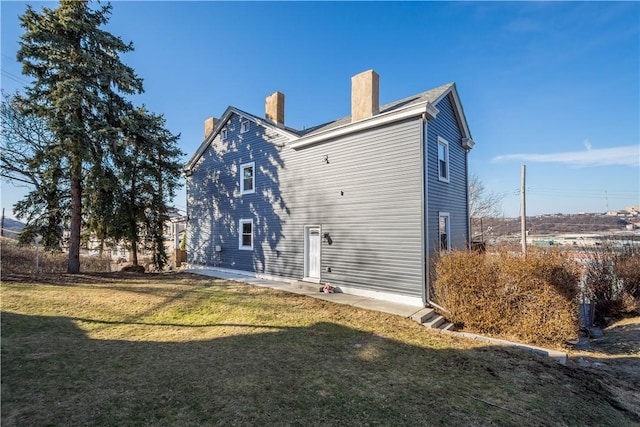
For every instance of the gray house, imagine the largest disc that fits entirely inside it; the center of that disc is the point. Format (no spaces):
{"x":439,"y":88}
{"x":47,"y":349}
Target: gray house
{"x":361,"y":203}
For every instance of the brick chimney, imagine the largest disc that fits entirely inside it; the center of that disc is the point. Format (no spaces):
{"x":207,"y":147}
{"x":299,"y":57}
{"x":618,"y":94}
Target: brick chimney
{"x":365,"y":91}
{"x":209,"y":124}
{"x":274,"y":108}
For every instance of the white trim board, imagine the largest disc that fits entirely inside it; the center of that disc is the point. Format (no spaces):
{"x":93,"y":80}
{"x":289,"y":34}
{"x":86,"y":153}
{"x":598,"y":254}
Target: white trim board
{"x":378,"y":120}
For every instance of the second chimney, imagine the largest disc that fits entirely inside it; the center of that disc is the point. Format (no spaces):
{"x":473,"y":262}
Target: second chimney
{"x":209,"y":124}
{"x":365,"y":91}
{"x":274,"y":108}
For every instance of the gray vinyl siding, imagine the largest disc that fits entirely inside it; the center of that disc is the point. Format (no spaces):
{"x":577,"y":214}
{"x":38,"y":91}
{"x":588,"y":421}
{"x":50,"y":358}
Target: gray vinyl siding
{"x":449,"y":196}
{"x":367,"y":198}
{"x":215,"y":205}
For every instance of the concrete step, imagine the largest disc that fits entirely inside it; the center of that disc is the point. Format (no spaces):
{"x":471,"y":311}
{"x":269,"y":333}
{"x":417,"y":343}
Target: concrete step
{"x":434,"y":322}
{"x":423,"y":315}
{"x":430,"y":319}
{"x":447,"y":326}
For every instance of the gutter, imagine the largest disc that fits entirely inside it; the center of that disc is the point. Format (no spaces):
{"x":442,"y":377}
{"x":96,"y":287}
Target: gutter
{"x":425,"y":109}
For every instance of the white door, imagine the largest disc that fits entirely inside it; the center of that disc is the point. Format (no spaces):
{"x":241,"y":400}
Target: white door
{"x":312,"y":253}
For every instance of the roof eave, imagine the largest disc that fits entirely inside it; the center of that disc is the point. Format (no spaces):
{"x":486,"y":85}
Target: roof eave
{"x":468,"y":143}
{"x":466,"y":134}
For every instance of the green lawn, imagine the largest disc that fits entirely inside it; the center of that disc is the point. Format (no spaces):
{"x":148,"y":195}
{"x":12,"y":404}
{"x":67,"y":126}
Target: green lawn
{"x":177,"y":349}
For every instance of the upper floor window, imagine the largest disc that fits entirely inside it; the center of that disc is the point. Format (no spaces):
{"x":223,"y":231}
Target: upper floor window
{"x":444,"y":231}
{"x":443,"y":160}
{"x":223,"y":134}
{"x":244,"y":126}
{"x":247,"y":178}
{"x":245,"y":241}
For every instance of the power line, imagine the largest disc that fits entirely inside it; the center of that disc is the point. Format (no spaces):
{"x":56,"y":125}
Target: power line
{"x":14,"y":77}
{"x":582,"y":193}
{"x":586,"y":196}
{"x":575,"y":193}
{"x":15,"y":179}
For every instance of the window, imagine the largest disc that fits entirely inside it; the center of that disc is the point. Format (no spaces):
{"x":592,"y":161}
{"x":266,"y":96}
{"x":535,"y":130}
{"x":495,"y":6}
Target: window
{"x":444,"y":231}
{"x":244,"y":126}
{"x":223,"y":134}
{"x":247,"y":179}
{"x":246,"y":235}
{"x":443,"y":160}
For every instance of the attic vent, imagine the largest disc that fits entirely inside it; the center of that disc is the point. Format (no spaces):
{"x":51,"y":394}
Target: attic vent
{"x":244,"y":126}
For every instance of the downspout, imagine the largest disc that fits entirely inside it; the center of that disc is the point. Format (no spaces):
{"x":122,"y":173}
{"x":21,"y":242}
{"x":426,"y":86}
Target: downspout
{"x":466,"y":179}
{"x":424,"y":224}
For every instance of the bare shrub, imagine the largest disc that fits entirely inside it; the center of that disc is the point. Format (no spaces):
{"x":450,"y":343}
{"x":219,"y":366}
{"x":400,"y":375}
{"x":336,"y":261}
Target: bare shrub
{"x":612,"y":279}
{"x":133,"y":269}
{"x":532,"y":298}
{"x":627,"y":268}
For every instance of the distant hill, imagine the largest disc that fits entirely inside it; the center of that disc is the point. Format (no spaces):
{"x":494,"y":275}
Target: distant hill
{"x":12,"y":228}
{"x":552,"y":224}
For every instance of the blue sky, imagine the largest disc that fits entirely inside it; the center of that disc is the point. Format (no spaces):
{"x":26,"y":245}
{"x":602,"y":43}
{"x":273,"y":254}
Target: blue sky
{"x":552,"y":85}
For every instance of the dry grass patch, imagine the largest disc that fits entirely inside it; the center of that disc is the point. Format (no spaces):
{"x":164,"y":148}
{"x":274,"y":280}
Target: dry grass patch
{"x":34,"y":260}
{"x":178,"y":349}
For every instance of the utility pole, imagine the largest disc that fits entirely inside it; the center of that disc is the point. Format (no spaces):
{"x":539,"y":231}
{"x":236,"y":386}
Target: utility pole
{"x":523,"y":209}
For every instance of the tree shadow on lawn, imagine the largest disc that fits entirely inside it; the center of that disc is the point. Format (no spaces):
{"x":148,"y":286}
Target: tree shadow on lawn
{"x":97,"y":279}
{"x":324,"y":374}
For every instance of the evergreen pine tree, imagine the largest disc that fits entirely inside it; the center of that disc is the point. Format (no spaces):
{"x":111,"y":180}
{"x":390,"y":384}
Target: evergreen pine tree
{"x":149,"y":172}
{"x":78,"y":88}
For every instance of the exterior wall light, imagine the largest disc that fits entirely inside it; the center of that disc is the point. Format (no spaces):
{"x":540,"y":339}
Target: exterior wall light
{"x":327,"y":238}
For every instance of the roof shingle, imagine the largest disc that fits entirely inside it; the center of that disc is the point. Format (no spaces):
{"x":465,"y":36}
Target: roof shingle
{"x":430,"y":95}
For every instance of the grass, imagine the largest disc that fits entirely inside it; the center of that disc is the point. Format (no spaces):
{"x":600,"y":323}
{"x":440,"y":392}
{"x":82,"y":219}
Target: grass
{"x":176,"y":349}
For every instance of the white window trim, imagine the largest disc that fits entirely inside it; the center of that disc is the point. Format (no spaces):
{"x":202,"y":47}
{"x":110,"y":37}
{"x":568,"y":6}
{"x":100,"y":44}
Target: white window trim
{"x":448,"y":230}
{"x":443,"y":142}
{"x":223,"y":134}
{"x":244,"y":126}
{"x":243,"y":166}
{"x":240,"y":234}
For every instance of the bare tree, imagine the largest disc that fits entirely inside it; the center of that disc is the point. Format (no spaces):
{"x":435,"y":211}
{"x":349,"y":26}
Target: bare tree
{"x":482,"y":204}
{"x":31,"y":156}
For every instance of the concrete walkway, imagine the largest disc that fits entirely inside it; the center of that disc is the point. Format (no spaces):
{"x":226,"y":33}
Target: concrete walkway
{"x":312,"y":290}
{"x":404,"y":310}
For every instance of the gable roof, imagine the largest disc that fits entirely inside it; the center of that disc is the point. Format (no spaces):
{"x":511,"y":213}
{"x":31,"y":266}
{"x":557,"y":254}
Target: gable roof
{"x":415,"y":105}
{"x":222,"y":122}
